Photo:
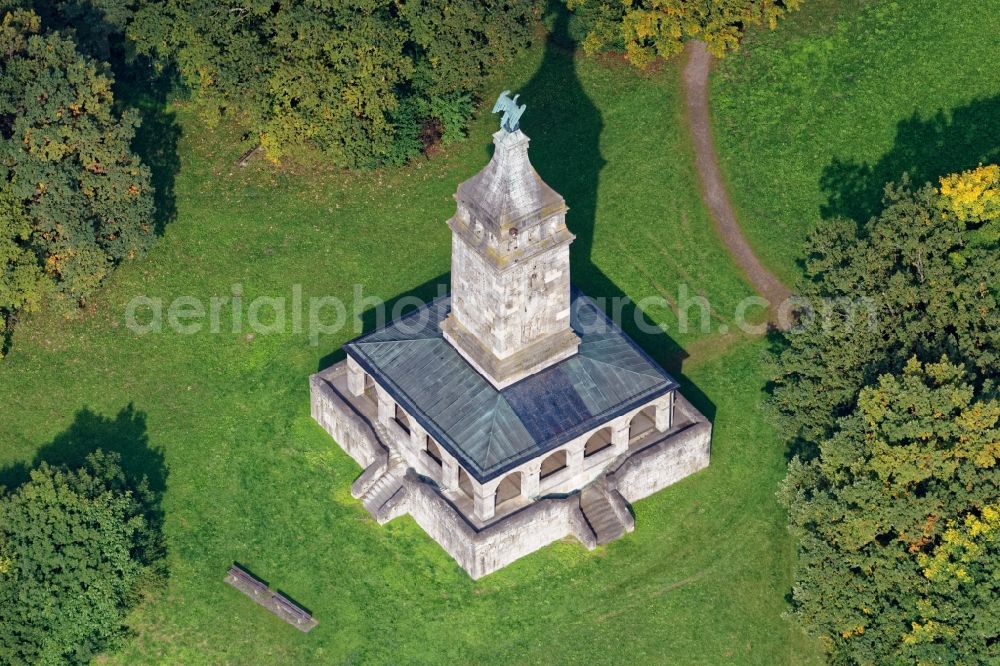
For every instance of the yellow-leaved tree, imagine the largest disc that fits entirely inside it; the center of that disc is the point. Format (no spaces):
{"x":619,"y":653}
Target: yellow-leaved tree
{"x":646,"y":29}
{"x":972,"y":198}
{"x":964,"y":585}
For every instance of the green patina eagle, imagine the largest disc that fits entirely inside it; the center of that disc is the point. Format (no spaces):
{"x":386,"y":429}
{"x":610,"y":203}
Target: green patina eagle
{"x":511,"y":118}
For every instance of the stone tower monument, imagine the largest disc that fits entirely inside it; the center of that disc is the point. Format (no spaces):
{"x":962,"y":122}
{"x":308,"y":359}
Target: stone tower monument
{"x":510,"y":268}
{"x":512,"y":412}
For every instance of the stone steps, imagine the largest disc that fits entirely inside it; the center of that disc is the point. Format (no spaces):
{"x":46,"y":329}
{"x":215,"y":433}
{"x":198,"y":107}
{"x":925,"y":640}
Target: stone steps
{"x":385,"y":486}
{"x":600,"y":515}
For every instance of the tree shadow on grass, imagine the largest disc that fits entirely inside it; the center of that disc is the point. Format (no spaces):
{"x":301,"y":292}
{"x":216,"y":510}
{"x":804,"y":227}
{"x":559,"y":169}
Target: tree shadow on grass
{"x":565,"y":130}
{"x":926,"y":149}
{"x":125,"y":435}
{"x":141,"y":86}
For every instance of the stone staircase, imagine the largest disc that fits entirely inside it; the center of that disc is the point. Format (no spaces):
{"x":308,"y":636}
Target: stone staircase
{"x":382,"y":493}
{"x":603,"y":517}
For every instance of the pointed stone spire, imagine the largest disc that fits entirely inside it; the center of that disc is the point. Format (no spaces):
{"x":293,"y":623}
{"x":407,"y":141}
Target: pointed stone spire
{"x":510,"y":268}
{"x":509,"y":194}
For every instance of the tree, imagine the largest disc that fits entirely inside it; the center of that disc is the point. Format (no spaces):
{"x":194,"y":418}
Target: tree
{"x":972,"y":199}
{"x":95,"y":26}
{"x":75,"y":551}
{"x":910,"y":282}
{"x":897,"y":448}
{"x":960,"y":617}
{"x":358,"y":79}
{"x":883,"y":575}
{"x":22,"y":282}
{"x":650,"y":28}
{"x":72,"y":193}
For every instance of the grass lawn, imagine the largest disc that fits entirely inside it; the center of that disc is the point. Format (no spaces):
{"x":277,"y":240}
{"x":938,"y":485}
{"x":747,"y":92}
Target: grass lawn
{"x":813,"y":119}
{"x":221,"y":422}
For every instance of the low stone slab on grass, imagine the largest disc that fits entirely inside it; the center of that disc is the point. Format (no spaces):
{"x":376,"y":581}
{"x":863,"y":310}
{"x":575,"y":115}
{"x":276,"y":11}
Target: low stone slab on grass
{"x":277,"y":603}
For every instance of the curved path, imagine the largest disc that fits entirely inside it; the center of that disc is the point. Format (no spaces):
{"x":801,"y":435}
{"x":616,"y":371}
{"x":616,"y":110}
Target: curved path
{"x":713,"y":192}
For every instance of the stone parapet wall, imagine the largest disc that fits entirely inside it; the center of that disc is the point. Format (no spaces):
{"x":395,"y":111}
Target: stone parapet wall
{"x":348,"y":428}
{"x":667,"y":461}
{"x":480,"y":552}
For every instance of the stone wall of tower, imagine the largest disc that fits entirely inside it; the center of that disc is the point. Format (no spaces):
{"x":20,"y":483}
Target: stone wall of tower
{"x":510,"y":269}
{"x":513,"y":308}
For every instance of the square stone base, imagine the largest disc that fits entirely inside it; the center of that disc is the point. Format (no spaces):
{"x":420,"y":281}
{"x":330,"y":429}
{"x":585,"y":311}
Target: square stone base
{"x":388,"y":488}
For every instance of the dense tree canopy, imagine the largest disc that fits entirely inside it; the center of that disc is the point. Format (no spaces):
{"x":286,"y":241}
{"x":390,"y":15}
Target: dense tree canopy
{"x":75,"y":200}
{"x":95,"y":26}
{"x":75,"y":548}
{"x":888,"y":393}
{"x":912,"y":281}
{"x":960,"y":610}
{"x":883,"y":574}
{"x":360,"y":79}
{"x":650,"y":28}
{"x":22,"y":282}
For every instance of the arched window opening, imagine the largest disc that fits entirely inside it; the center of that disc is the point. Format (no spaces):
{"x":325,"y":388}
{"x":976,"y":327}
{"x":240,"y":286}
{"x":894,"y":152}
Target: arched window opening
{"x":402,"y":420}
{"x":464,"y":482}
{"x":599,"y":441}
{"x":642,"y":424}
{"x":509,"y":488}
{"x":433,"y":450}
{"x":553,"y":464}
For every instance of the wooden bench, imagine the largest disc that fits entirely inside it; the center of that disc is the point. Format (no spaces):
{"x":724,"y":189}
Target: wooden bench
{"x":288,"y":606}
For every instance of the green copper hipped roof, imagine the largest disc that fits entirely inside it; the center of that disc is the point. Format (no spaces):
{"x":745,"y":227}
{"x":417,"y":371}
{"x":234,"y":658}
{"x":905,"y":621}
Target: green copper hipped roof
{"x":491,"y":431}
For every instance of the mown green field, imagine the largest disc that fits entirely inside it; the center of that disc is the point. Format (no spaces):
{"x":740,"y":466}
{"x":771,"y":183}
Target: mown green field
{"x":813,"y":119}
{"x":221,"y":421}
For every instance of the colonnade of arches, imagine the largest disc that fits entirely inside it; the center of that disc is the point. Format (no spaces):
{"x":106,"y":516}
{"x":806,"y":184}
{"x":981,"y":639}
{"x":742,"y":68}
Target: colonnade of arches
{"x":512,"y":486}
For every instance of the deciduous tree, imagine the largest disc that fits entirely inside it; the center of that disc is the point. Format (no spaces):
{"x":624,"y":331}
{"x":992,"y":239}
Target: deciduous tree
{"x":650,"y":28}
{"x":972,"y":199}
{"x":883,"y":574}
{"x":881,"y":293}
{"x":74,"y":193}
{"x":75,"y":548}
{"x":357,"y":79}
{"x":898,"y":449}
{"x":22,"y":282}
{"x":959,"y":617}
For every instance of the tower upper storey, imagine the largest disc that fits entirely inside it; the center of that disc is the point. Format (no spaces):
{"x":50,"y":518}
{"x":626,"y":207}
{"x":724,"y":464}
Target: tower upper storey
{"x":506,"y":210}
{"x":510,"y":307}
